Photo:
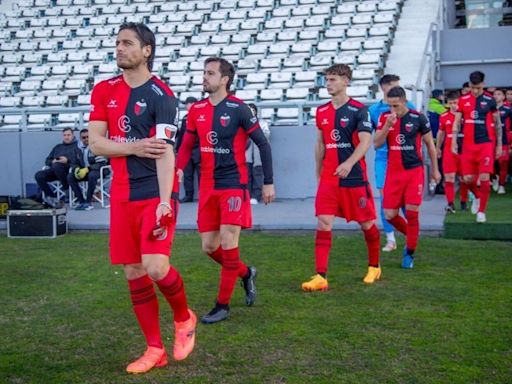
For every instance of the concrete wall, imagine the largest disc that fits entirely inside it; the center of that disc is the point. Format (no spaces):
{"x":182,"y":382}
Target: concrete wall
{"x":476,"y":46}
{"x":292,"y":149}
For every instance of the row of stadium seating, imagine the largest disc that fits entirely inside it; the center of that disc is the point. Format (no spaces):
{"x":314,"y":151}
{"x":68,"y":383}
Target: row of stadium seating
{"x":53,"y":52}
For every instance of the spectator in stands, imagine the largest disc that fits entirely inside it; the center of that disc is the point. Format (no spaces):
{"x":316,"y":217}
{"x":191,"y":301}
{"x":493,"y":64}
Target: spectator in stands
{"x":88,"y":169}
{"x":253,"y":159}
{"x":381,"y":154}
{"x":508,"y":96}
{"x":57,"y":164}
{"x":465,"y":89}
{"x":435,"y":109}
{"x":194,"y":164}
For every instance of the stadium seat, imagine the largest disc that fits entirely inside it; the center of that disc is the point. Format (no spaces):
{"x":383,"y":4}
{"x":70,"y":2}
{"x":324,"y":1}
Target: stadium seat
{"x":57,"y":100}
{"x":247,"y":95}
{"x":297,"y":93}
{"x":33,"y":101}
{"x":287,"y":115}
{"x":10,"y":102}
{"x":271,"y":94}
{"x":281,"y":79}
{"x":256,"y":81}
{"x":39,"y":121}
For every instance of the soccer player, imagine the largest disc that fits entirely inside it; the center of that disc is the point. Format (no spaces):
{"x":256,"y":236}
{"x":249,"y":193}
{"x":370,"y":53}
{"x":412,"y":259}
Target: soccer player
{"x":403,"y":129}
{"x":506,"y":118}
{"x":478,"y":112}
{"x":127,"y":112}
{"x":344,"y":137}
{"x":223,"y":124}
{"x":451,"y":161}
{"x":386,"y":82}
{"x":508,"y":95}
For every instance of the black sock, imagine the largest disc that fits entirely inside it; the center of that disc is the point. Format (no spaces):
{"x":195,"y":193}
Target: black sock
{"x":374,"y":265}
{"x":247,"y":275}
{"x":410,"y":252}
{"x":221,"y":306}
{"x":323,"y":274}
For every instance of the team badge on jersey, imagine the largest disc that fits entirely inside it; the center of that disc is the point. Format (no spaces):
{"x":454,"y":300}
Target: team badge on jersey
{"x":224,"y":120}
{"x":483,"y":104}
{"x":166,"y":131}
{"x":362,"y":202}
{"x":344,"y":121}
{"x":408,"y":127}
{"x":140,"y":107}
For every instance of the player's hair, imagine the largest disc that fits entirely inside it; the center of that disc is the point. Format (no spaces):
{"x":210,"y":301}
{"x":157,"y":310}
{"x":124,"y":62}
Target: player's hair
{"x":339,"y":70}
{"x":145,"y":37}
{"x":476,"y":77}
{"x":67,"y":129}
{"x":465,"y":85}
{"x":396,"y":92}
{"x":253,"y":106}
{"x":84,"y":130}
{"x":388,"y":79}
{"x":452,"y":95}
{"x":226,"y":69}
{"x":502,"y":90}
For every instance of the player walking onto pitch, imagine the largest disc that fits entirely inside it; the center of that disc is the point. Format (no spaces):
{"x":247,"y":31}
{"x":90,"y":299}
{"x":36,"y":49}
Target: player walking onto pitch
{"x":223,"y":124}
{"x":131,"y":109}
{"x":479,"y":113}
{"x":344,"y":137}
{"x":402,"y":129}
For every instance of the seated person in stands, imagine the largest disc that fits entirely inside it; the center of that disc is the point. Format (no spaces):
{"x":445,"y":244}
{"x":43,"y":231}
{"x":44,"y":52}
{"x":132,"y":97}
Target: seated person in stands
{"x":57,"y":165}
{"x":88,"y":169}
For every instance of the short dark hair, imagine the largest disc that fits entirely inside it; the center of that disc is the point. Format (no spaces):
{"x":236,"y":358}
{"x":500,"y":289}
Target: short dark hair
{"x":226,"y":69}
{"x":501,"y":90}
{"x":465,"y":85}
{"x":67,"y":129}
{"x":253,"y":106}
{"x":84,"y":130}
{"x":387,"y":79}
{"x":397,"y":92}
{"x":476,"y":77}
{"x":145,"y":37}
{"x":339,"y":70}
{"x":452,"y":95}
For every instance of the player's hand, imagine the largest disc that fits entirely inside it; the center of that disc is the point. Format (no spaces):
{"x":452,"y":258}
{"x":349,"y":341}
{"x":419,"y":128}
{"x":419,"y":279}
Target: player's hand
{"x":343,"y":169}
{"x":268,"y":193}
{"x":436,"y":176}
{"x":179,"y":173}
{"x":455,"y":147}
{"x":163,"y":220}
{"x":439,"y":153}
{"x":499,"y":151}
{"x":391,"y":120}
{"x":152,"y":148}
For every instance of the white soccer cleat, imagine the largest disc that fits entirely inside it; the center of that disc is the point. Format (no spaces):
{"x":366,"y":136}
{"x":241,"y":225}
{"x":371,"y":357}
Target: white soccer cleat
{"x":501,"y":190}
{"x":480,"y":218}
{"x":254,"y":201}
{"x":495,"y":184}
{"x":475,"y":206}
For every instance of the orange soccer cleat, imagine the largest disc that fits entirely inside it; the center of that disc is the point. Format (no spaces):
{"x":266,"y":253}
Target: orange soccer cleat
{"x":372,"y":275}
{"x":153,"y":357}
{"x":184,"y":337}
{"x":317,"y":283}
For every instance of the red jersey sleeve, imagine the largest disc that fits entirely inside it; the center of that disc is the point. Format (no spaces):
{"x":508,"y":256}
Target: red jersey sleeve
{"x":382,"y":121}
{"x":98,"y":104}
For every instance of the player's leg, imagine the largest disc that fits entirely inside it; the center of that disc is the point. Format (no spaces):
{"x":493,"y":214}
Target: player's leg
{"x":449,"y":187}
{"x":503,"y":162}
{"x":380,"y":178}
{"x":469,"y":167}
{"x":413,"y":230}
{"x":392,"y":215}
{"x":394,"y":190}
{"x":485,"y":168}
{"x":372,"y":239}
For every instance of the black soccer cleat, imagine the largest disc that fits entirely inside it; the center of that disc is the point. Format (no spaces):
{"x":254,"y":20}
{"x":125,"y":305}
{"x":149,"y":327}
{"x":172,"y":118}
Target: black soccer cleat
{"x":249,"y":284}
{"x":218,"y":313}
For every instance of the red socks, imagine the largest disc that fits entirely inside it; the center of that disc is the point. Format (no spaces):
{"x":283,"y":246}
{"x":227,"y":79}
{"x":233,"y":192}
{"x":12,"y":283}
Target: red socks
{"x":485,"y":191}
{"x":503,"y":171}
{"x":228,"y":274}
{"x":217,"y":256}
{"x":413,"y":229}
{"x":449,"y":188}
{"x":473,"y":188}
{"x":399,"y":223}
{"x":145,"y":306}
{"x":372,"y":238}
{"x":172,"y":288}
{"x":323,"y":242}
{"x":463,"y":190}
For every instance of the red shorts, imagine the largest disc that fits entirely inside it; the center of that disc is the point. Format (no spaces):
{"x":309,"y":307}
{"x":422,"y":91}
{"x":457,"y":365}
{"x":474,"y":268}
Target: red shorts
{"x":451,"y":162}
{"x":131,"y":225}
{"x":403,"y":187}
{"x":352,"y":203}
{"x":505,"y":153}
{"x":477,"y":159}
{"x":223,"y":206}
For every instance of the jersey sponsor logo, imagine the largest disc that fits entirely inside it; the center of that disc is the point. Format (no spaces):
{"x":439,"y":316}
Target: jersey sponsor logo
{"x":232,"y":105}
{"x":344,"y":121}
{"x":140,"y":107}
{"x":335,"y":135}
{"x":254,"y":120}
{"x":321,"y":109}
{"x":211,"y":138}
{"x":200,"y":105}
{"x":338,"y":145}
{"x":400,"y":139}
{"x":115,"y":81}
{"x":483,"y":104}
{"x":157,"y":89}
{"x":362,"y":202}
{"x":201,"y":118}
{"x":217,"y":150}
{"x":324,"y":121}
{"x":112,"y":103}
{"x":122,"y":139}
{"x":352,"y":109}
{"x":123,"y":123}
{"x":414,"y":116}
{"x":166,"y":131}
{"x":474,"y":115}
{"x":225,"y":119}
{"x":409,"y":127}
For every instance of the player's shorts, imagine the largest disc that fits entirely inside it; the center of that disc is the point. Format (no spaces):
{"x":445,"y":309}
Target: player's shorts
{"x":477,"y":159}
{"x":352,"y":203}
{"x":380,"y":172}
{"x":223,"y":207}
{"x":131,"y":226}
{"x":505,"y":153}
{"x":451,"y":162}
{"x":403,"y":187}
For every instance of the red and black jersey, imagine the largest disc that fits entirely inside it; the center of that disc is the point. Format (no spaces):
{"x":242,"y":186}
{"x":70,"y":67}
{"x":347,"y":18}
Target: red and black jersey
{"x":223,"y":130}
{"x":506,"y":122}
{"x":133,"y":114}
{"x":340,"y":128}
{"x":446,"y":124}
{"x":404,"y":140}
{"x":477,"y":118}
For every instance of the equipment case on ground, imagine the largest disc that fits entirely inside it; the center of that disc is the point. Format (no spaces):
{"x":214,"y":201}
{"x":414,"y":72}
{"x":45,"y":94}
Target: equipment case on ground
{"x":42,"y":223}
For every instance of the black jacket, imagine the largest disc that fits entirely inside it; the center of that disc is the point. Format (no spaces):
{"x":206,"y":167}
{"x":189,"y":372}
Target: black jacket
{"x":70,"y":151}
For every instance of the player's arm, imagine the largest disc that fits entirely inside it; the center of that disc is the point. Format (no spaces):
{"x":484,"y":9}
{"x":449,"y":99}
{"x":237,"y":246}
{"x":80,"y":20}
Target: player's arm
{"x":365,"y":140}
{"x":455,"y":130}
{"x":385,"y":124}
{"x":499,"y":132}
{"x":319,"y":153}
{"x":441,"y":134}
{"x":428,"y":139}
